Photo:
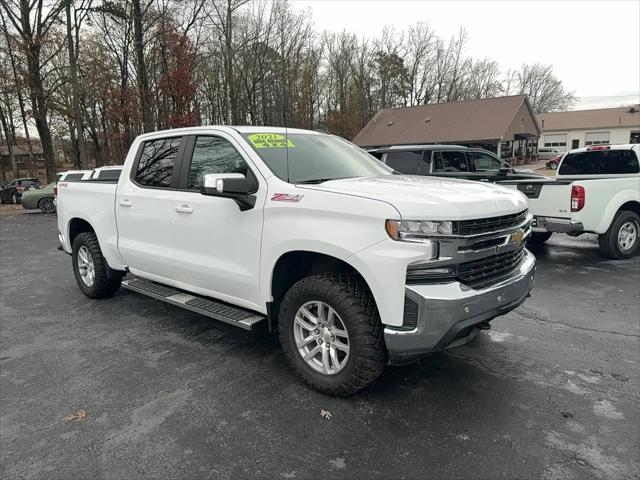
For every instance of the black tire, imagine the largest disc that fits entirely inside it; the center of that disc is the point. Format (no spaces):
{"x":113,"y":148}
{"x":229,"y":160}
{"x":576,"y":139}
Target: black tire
{"x":538,"y":238}
{"x":353,"y":302}
{"x":610,"y":247}
{"x":106,"y":281}
{"x":553,"y":165}
{"x":46,"y":205}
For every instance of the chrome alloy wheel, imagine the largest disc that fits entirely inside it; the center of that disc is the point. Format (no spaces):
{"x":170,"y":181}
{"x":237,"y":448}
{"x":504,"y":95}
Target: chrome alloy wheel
{"x":321,"y":337}
{"x":627,"y":235}
{"x":47,"y":205}
{"x":85,"y":266}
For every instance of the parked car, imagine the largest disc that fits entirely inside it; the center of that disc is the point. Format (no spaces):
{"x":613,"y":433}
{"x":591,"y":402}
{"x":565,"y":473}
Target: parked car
{"x":547,"y":153}
{"x":553,"y":162}
{"x":40,"y":198}
{"x":451,"y":161}
{"x":596,"y":190}
{"x":304,"y":232}
{"x":13,"y":190}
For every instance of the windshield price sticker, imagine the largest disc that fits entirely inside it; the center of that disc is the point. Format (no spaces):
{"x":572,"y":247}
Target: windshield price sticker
{"x":270,"y":140}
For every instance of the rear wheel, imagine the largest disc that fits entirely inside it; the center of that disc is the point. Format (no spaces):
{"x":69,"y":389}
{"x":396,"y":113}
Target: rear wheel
{"x":14,"y":199}
{"x":538,"y":238}
{"x":93,"y":276}
{"x":331,"y":333}
{"x":622,"y":239}
{"x":46,"y":205}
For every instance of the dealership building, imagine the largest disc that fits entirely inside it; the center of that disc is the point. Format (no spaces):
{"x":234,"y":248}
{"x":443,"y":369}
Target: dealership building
{"x":582,"y":128}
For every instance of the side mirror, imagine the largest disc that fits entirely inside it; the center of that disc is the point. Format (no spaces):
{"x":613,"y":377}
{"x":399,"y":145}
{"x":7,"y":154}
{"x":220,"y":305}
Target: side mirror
{"x":504,"y":169}
{"x":228,"y":185}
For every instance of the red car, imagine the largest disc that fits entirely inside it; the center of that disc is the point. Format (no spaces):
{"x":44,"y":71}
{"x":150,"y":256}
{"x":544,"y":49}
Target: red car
{"x":553,"y":162}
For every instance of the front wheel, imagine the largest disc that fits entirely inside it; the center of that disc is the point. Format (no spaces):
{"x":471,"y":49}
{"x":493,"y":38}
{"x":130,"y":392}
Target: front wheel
{"x":553,"y":165}
{"x":93,"y":276}
{"x":331,"y":333}
{"x":622,"y":239}
{"x":538,"y":238}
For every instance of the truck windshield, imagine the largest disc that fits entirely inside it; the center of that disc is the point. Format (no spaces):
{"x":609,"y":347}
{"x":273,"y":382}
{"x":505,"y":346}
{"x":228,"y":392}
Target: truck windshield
{"x":313,"y":157}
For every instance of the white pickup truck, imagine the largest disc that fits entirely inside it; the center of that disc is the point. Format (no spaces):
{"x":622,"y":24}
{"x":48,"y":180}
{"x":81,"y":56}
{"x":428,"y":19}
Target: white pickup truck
{"x":597,"y":190}
{"x":304,"y":232}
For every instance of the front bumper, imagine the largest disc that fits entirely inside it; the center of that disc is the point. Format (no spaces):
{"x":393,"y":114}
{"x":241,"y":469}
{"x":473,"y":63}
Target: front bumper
{"x":559,"y":225}
{"x":448,"y":314}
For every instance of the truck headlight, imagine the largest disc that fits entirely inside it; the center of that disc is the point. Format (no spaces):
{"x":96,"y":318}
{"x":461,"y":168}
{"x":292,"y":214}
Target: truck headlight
{"x":417,"y":230}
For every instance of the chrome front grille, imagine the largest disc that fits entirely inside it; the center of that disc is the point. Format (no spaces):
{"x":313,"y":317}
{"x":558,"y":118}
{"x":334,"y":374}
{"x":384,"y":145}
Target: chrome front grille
{"x":487,"y":225}
{"x":488,"y":270}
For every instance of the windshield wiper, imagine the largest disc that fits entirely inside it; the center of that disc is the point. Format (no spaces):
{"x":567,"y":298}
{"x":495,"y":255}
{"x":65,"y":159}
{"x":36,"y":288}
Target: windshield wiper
{"x":315,"y":180}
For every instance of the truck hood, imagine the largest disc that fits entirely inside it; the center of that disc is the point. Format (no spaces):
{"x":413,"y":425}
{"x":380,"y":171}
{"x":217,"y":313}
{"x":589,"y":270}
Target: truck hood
{"x":432,"y":198}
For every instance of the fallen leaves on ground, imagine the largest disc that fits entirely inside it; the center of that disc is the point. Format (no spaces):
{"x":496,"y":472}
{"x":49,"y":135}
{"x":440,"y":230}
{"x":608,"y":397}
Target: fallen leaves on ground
{"x":325,"y":414}
{"x":79,"y":415}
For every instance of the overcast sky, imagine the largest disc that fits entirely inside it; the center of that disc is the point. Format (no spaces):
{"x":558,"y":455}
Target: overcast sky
{"x":594,"y":46}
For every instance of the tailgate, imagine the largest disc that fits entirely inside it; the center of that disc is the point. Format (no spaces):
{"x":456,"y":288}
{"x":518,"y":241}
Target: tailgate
{"x":547,"y":198}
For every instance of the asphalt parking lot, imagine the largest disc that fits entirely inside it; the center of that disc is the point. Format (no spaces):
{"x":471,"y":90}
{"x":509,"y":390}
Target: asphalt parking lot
{"x":550,"y":392}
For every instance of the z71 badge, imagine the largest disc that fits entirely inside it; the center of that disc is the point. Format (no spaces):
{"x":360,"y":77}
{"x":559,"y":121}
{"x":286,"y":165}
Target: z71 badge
{"x":286,"y":197}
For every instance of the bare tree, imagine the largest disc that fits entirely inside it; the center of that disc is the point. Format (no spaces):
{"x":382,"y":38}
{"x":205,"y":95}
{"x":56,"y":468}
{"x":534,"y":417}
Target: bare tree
{"x":33,"y":20}
{"x":544,"y":90}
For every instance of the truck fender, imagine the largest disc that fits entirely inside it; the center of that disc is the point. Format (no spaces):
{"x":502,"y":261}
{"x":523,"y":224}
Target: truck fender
{"x":329,"y":250}
{"x":614,"y":205}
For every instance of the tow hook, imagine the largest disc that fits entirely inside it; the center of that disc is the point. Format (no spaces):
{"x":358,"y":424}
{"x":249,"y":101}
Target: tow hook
{"x":484,"y":326}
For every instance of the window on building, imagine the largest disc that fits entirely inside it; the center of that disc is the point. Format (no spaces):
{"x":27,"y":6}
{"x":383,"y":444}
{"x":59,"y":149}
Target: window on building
{"x":596,"y":138}
{"x":155,"y":167}
{"x":634,"y":137}
{"x":213,"y":155}
{"x":555,"y":140}
{"x":404,"y":162}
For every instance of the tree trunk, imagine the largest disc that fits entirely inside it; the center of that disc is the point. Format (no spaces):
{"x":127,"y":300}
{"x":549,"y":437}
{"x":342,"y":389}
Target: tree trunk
{"x":75,"y":93}
{"x":10,"y":140}
{"x":143,"y":81}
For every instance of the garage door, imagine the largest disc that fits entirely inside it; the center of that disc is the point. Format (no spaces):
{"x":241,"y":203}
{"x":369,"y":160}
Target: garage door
{"x":555,"y":140}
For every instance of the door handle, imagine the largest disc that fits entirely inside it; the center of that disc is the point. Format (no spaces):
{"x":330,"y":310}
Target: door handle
{"x":125,"y":202}
{"x":184,"y":209}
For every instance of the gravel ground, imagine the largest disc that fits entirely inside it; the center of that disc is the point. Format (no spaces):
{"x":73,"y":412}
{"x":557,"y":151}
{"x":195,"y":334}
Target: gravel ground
{"x":550,"y":392}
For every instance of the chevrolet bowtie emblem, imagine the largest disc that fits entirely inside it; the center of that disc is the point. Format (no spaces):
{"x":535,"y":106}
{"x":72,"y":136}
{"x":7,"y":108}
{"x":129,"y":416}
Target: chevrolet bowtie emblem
{"x":517,"y":236}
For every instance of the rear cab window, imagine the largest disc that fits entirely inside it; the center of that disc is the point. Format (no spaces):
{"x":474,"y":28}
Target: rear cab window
{"x":600,"y":162}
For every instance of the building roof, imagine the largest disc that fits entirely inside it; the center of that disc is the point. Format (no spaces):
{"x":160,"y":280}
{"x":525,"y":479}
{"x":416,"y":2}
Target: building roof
{"x":588,"y":119}
{"x":468,"y":121}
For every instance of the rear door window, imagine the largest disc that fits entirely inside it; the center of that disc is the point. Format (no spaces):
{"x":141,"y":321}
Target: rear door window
{"x":404,"y":162}
{"x":603,"y":162}
{"x":450,"y":161}
{"x":157,"y":161}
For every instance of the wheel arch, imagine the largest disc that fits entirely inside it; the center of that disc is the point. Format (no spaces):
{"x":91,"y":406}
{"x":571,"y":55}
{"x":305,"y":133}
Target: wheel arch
{"x":77,"y":226}
{"x":295,"y":265}
{"x":624,"y":200}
